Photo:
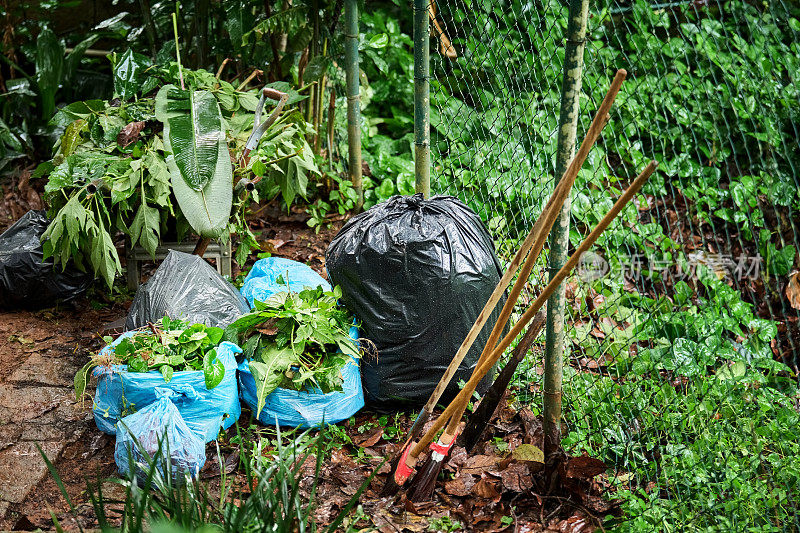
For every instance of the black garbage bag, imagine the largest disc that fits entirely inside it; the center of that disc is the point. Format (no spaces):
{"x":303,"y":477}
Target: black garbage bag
{"x":185,"y":286}
{"x":26,"y":279}
{"x":416,"y":273}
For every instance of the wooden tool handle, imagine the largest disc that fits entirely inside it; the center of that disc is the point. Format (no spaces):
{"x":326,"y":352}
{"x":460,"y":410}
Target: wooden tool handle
{"x":550,"y":211}
{"x":274,"y":94}
{"x":483,"y":414}
{"x":544,"y":223}
{"x":459,"y":403}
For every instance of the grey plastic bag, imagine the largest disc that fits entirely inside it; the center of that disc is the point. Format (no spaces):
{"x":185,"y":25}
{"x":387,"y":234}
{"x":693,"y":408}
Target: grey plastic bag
{"x":185,"y":286}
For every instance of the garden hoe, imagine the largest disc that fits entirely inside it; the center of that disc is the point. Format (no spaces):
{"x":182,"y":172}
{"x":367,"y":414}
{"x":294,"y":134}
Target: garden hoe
{"x":423,"y":484}
{"x":403,"y":463}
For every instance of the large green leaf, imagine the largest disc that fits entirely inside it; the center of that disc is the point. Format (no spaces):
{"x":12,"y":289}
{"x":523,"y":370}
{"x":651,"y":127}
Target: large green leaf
{"x":207,"y":211}
{"x":49,"y":68}
{"x":193,"y":132}
{"x":269,"y":372}
{"x":199,"y":162}
{"x":129,"y":74}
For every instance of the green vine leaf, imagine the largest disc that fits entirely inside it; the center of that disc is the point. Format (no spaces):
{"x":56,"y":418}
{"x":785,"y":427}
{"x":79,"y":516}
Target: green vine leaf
{"x":213,"y":369}
{"x":70,"y":140}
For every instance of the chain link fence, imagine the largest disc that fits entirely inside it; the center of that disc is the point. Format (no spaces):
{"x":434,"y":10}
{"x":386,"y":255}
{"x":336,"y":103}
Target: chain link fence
{"x":683,"y":335}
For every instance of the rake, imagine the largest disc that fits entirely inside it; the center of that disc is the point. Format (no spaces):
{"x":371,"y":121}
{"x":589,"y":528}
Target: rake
{"x":404,"y":461}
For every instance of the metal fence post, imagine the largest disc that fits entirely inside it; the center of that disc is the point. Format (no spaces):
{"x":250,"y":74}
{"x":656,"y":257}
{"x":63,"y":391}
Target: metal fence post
{"x":559,"y":238}
{"x":422,"y":98}
{"x":353,"y":98}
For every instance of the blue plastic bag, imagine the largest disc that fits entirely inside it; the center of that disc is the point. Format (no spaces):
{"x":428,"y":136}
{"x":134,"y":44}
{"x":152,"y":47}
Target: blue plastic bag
{"x":160,"y":426}
{"x":121,"y":393}
{"x":262,"y":281}
{"x":285,"y":407}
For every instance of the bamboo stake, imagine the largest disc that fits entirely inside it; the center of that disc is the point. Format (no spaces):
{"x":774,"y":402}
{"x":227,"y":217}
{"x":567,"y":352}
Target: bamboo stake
{"x":458,"y":405}
{"x":422,"y":99}
{"x":353,"y":99}
{"x":559,"y":238}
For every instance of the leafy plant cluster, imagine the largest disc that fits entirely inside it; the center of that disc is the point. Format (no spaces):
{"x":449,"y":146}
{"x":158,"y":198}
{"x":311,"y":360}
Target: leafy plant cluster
{"x":37,"y":72}
{"x":35,"y":75}
{"x":690,"y":409}
{"x":296,"y":340}
{"x":168,"y":346}
{"x":124,"y":165}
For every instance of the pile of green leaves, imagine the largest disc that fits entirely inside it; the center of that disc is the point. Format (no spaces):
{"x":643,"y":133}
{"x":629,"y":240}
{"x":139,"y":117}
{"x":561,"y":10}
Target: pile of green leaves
{"x":296,"y":340}
{"x":168,"y":346}
{"x":124,"y":165}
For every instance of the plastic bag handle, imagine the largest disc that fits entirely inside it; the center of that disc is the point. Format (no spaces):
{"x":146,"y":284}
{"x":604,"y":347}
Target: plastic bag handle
{"x":175,"y":392}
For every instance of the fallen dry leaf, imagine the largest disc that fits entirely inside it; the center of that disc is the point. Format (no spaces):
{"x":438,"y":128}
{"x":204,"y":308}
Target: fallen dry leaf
{"x":597,"y":333}
{"x":486,"y":490}
{"x":130,"y":134}
{"x":272,"y":245}
{"x":461,"y":485}
{"x":585,"y":467}
{"x":573,"y":524}
{"x":370,"y":438}
{"x":458,"y":456}
{"x":532,"y":424}
{"x":477,"y":464}
{"x":528,"y":452}
{"x":517,"y":478}
{"x":213,"y":466}
{"x":793,"y":290}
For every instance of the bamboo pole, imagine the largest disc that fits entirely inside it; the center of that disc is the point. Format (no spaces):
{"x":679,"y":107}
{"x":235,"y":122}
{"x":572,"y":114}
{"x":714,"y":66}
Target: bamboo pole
{"x":353,"y":99}
{"x":559,"y":238}
{"x":422,"y":98}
